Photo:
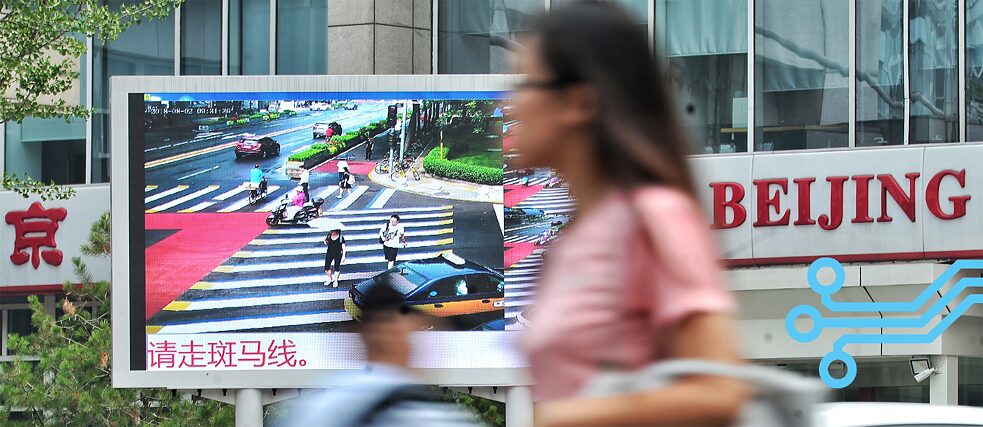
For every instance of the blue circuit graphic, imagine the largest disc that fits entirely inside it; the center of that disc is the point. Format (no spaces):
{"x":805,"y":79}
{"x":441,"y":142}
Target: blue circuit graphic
{"x":826,"y":291}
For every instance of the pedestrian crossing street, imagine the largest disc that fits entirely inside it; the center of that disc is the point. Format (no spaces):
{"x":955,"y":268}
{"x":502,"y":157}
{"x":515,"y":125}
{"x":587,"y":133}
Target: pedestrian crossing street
{"x":234,"y":197}
{"x":520,"y":288}
{"x":276,"y":282}
{"x":552,"y":201}
{"x":533,"y":180}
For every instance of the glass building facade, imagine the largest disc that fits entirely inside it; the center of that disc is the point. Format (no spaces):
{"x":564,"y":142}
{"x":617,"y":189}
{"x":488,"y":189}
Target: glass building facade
{"x":813,"y":74}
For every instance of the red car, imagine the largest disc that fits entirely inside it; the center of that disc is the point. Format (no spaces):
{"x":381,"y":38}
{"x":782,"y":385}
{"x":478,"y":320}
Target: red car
{"x":262,"y":147}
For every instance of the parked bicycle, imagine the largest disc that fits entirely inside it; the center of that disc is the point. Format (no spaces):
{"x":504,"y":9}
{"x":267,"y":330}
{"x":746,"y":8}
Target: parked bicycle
{"x":402,"y":170}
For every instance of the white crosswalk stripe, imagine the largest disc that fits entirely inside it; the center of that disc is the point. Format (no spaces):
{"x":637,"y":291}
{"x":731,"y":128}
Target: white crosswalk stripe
{"x":183,"y":200}
{"x":241,"y":203}
{"x":164,"y":194}
{"x":383,"y":198}
{"x":350,"y":199}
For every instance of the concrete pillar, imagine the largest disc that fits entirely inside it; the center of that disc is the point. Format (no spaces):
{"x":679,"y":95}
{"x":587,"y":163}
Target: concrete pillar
{"x":944,"y":386}
{"x":380,"y":36}
{"x":518,"y":407}
{"x":249,"y":408}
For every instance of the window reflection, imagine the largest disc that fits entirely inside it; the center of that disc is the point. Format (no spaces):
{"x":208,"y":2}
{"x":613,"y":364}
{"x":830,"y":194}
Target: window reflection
{"x":302,"y":37}
{"x":880,"y":72}
{"x":801,"y":78}
{"x":145,"y":49}
{"x":932,"y":41}
{"x":249,"y":37}
{"x":974,"y":70}
{"x":479,"y":36}
{"x":201,"y":37}
{"x":706,"y":46}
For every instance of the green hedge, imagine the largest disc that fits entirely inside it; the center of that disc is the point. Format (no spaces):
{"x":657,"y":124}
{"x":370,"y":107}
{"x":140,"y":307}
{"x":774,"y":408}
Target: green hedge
{"x":435,"y":164}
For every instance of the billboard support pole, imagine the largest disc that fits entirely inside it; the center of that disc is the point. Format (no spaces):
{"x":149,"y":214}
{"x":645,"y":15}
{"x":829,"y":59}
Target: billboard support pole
{"x":249,"y":407}
{"x":518,"y":407}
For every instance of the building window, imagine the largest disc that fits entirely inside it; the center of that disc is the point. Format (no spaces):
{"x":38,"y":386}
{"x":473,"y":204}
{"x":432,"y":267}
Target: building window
{"x":19,"y":323}
{"x":46,"y":150}
{"x":249,"y":37}
{"x":932,"y":56}
{"x":880,"y":73}
{"x":638,"y":8}
{"x":974,"y":71}
{"x":801,"y":88}
{"x":705,"y":42}
{"x":201,"y":37}
{"x":301,"y":36}
{"x":479,"y":36}
{"x":146,"y":49}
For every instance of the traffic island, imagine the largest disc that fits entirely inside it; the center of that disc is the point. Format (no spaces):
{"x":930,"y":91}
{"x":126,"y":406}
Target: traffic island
{"x":441,"y":188}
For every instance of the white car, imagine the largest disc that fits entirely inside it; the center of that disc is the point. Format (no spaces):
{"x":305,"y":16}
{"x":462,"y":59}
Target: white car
{"x":320,"y":106}
{"x":882,"y":414}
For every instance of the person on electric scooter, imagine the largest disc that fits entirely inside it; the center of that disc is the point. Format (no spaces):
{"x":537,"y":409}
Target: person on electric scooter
{"x":296,"y":204}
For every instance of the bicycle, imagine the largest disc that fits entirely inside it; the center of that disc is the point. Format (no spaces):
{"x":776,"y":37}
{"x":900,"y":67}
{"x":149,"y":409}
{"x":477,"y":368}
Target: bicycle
{"x":404,"y":171}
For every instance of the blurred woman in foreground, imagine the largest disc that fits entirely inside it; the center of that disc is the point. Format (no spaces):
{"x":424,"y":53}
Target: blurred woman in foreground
{"x":635,"y":280}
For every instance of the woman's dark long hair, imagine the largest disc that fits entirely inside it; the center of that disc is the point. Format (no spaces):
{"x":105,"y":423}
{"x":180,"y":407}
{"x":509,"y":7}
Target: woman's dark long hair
{"x":639,"y":140}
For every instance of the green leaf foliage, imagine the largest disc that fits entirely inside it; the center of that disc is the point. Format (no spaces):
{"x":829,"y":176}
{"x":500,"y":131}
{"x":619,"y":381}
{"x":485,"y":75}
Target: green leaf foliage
{"x":41,"y":42}
{"x":26,"y":187}
{"x":436,"y":164}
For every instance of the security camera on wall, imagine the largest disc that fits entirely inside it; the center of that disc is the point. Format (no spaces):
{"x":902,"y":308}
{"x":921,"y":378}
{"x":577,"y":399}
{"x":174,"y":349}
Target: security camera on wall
{"x":921,"y":368}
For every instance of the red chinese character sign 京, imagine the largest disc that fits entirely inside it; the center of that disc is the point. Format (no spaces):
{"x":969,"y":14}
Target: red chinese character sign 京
{"x":35,"y":228}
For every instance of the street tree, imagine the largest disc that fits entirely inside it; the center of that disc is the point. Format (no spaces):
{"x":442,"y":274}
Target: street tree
{"x":62,"y":374}
{"x":41,"y":44}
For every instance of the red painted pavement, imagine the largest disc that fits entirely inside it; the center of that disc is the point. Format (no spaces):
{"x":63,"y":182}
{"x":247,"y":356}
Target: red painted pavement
{"x":358,"y":168}
{"x":515,"y":194}
{"x":205,"y":241}
{"x":515,"y":252}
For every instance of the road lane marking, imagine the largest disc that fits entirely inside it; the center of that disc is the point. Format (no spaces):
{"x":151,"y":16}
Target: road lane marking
{"x":348,"y":228}
{"x":349,"y":248}
{"x":197,"y":207}
{"x":224,"y":325}
{"x":383,"y":198}
{"x":350,"y":199}
{"x":164,"y":194}
{"x":232,"y":192}
{"x":182,"y":156}
{"x":269,"y":266}
{"x":149,"y":188}
{"x":245,"y":200}
{"x":197,"y":173}
{"x":349,"y":237}
{"x":500,"y":214}
{"x":213,"y":304}
{"x":184,"y":199}
{"x":279,"y":281}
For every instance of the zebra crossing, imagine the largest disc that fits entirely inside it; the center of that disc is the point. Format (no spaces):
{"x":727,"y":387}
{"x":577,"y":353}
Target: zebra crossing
{"x":522,"y":238}
{"x":233,"y":197}
{"x":552,"y":201}
{"x":277,"y":281}
{"x":520,"y":289}
{"x":534,"y":180}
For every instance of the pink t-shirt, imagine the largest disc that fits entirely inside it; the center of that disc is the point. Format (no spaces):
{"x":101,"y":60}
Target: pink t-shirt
{"x":612,"y":287}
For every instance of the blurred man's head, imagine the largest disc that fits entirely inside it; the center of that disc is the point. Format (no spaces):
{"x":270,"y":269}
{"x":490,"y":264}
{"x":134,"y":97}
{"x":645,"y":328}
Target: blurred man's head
{"x":386,"y":326}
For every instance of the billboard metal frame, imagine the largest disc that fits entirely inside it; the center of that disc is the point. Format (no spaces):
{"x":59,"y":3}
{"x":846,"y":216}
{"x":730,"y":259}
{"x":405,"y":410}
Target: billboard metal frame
{"x":120,"y":89}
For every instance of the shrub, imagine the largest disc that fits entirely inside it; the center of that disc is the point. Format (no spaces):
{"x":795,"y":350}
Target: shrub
{"x":304,"y":155}
{"x":437,"y":165}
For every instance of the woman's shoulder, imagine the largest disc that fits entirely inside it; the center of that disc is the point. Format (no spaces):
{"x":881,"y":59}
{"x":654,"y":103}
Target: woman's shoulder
{"x":663,"y":200}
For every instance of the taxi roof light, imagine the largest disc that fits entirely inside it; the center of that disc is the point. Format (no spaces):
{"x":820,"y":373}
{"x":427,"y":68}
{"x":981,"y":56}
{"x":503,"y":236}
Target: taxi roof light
{"x":452,"y":258}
